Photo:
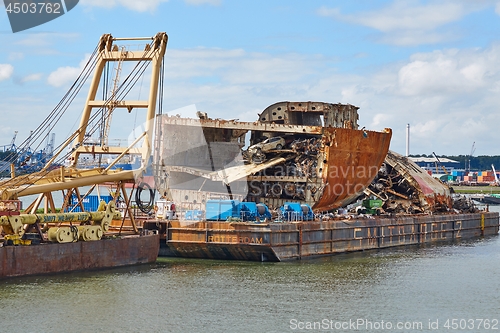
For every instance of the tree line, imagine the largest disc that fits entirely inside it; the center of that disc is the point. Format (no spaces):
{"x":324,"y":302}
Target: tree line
{"x":7,"y":155}
{"x":477,"y":163}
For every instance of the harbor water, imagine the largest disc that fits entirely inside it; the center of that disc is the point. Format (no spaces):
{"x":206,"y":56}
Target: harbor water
{"x":435,"y":288}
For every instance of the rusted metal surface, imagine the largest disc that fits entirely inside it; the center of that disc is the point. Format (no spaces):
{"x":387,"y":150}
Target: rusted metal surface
{"x":322,"y":159}
{"x":228,"y":251}
{"x":61,"y":258}
{"x":288,"y":241}
{"x":218,"y":240}
{"x":239,"y":127}
{"x":334,"y":115}
{"x":352,"y":159}
{"x":406,"y":188}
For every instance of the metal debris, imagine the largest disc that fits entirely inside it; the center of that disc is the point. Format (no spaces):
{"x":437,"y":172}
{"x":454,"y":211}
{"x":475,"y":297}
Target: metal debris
{"x":405,"y":188}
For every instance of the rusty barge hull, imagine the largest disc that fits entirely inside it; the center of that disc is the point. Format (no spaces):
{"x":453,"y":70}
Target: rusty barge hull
{"x":301,"y":240}
{"x":52,"y":258}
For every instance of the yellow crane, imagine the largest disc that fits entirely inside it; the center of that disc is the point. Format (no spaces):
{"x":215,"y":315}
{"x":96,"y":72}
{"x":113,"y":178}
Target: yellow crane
{"x":440,"y":164}
{"x":70,"y":179}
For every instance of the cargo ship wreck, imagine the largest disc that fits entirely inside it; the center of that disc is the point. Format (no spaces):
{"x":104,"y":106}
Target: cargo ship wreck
{"x":308,"y":183}
{"x":45,"y":239}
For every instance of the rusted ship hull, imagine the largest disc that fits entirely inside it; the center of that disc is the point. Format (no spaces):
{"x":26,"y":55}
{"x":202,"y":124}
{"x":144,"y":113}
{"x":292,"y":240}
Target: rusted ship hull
{"x":354,"y":158}
{"x":51,"y":258}
{"x":292,"y":241}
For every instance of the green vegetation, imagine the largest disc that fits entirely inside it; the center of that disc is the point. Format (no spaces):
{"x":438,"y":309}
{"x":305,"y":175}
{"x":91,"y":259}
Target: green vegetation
{"x":476,"y":189}
{"x":477,"y":163}
{"x":7,"y":155}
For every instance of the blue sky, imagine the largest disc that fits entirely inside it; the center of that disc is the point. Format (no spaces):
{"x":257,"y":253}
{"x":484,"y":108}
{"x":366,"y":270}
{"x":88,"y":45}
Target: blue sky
{"x":432,"y":64}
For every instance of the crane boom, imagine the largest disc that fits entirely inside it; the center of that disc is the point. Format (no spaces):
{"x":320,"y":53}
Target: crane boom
{"x":495,"y":174}
{"x":442,"y":166}
{"x":71,"y":178}
{"x":12,"y":145}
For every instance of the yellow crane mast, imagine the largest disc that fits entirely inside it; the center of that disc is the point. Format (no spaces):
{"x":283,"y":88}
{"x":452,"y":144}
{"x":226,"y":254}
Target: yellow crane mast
{"x":70,"y":178}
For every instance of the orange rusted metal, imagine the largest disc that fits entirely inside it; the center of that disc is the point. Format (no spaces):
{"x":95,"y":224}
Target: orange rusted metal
{"x":293,"y":241}
{"x":432,"y":194}
{"x":352,"y":159}
{"x":60,"y":258}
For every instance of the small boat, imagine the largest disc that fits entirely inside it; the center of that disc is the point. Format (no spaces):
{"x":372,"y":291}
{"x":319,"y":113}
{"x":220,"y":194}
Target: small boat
{"x":489,"y":199}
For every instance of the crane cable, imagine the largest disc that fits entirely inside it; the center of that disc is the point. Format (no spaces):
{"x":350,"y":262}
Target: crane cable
{"x":123,"y":90}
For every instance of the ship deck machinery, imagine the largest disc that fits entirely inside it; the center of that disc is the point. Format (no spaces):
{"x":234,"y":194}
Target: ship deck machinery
{"x":81,"y":240}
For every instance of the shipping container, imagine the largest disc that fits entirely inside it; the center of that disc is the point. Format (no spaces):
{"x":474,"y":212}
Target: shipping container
{"x":90,"y":203}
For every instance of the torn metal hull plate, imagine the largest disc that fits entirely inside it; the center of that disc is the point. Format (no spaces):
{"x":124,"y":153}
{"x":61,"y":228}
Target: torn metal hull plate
{"x":351,"y":161}
{"x":306,"y":152}
{"x":432,"y":194}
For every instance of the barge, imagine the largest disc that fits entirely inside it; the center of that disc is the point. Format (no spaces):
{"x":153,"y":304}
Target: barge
{"x":51,"y":258}
{"x":309,"y":239}
{"x":350,"y":192}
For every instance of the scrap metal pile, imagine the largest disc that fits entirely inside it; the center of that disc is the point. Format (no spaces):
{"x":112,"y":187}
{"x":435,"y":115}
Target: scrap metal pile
{"x":405,"y":188}
{"x":305,"y":162}
{"x":300,"y":163}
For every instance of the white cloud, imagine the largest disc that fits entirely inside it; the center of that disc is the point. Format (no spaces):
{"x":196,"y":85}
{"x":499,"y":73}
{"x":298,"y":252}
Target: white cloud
{"x":6,"y":71}
{"x":239,"y":67}
{"x":13,"y":56}
{"x":450,"y":71}
{"x":32,"y":77}
{"x":142,"y":5}
{"x":136,"y":5}
{"x":403,"y":15}
{"x":409,"y":22}
{"x":64,"y":75}
{"x":202,"y":2}
{"x":44,"y":39}
{"x":449,"y":97}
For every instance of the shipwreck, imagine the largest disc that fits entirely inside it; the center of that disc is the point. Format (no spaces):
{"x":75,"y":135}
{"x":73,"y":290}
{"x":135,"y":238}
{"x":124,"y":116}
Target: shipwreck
{"x":311,"y":152}
{"x":301,"y":181}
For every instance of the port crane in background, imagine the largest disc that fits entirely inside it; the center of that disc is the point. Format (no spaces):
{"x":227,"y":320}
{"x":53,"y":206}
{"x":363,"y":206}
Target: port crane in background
{"x":440,"y":164}
{"x":497,"y":182}
{"x":11,"y":146}
{"x":70,"y":179}
{"x":472,"y":150}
